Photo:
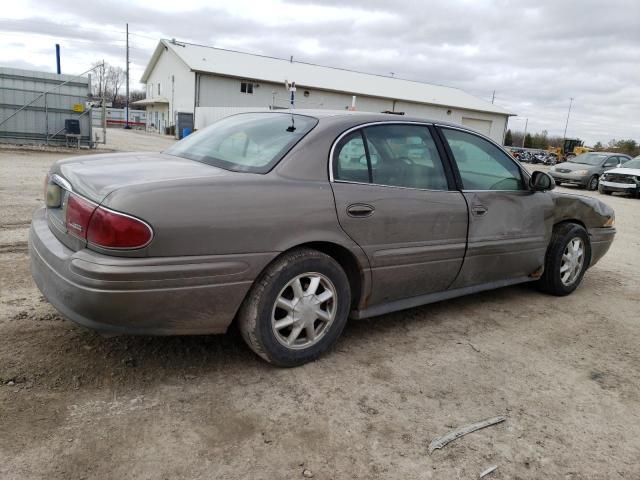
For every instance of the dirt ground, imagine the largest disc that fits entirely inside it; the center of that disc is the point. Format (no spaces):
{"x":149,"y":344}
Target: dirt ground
{"x":564,"y":371}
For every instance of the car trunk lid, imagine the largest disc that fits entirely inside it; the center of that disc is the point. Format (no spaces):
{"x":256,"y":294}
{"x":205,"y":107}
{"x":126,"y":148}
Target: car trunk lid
{"x":86,"y":181}
{"x":95,"y":176}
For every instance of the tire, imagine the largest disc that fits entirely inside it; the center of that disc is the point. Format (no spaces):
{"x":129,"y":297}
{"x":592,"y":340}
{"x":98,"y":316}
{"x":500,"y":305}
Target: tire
{"x":552,"y":280}
{"x":261,"y":310}
{"x":592,"y":184}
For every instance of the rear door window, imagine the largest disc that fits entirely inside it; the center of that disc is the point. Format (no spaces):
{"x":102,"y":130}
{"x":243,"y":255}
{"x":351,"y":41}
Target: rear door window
{"x":405,"y":156}
{"x":395,"y":155}
{"x":350,"y":164}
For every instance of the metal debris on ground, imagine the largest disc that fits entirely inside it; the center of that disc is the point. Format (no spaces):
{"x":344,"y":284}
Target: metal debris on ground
{"x":440,"y":442}
{"x":488,"y":471}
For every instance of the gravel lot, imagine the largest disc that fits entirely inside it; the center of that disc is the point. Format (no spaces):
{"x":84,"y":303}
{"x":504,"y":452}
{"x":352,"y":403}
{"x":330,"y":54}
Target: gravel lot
{"x":564,"y":371}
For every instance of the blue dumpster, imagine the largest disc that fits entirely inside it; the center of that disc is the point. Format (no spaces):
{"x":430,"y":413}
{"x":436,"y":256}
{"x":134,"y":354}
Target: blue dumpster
{"x":185,"y":132}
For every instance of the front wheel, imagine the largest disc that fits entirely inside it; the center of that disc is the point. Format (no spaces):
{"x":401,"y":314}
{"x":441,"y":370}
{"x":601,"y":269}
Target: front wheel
{"x":297,"y":308}
{"x":593,"y":183}
{"x":568,"y":257}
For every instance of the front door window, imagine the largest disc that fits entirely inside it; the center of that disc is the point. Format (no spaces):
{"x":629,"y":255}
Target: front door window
{"x":482,"y":165}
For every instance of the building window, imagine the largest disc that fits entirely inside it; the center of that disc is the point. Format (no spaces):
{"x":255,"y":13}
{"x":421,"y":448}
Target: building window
{"x":246,"y":87}
{"x":158,"y":88}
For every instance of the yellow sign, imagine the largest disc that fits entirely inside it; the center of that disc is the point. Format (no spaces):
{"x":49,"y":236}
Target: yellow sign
{"x":78,"y":107}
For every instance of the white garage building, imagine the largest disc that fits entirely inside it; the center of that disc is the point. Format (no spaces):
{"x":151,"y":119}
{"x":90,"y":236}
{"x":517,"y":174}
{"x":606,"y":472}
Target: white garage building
{"x":202,"y":84}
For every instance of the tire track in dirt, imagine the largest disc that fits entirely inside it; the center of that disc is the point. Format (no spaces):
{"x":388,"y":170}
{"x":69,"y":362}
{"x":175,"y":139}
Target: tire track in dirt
{"x":15,"y":225}
{"x":15,"y":247}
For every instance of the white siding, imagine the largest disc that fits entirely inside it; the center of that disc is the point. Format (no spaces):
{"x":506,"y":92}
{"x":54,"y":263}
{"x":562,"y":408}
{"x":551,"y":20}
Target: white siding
{"x":215,"y":91}
{"x":221,"y":96}
{"x":482,"y":126}
{"x":177,"y":84}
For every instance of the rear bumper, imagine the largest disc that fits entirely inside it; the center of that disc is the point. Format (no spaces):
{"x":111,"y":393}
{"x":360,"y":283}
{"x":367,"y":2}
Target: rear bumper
{"x":601,"y":239}
{"x":148,"y":296}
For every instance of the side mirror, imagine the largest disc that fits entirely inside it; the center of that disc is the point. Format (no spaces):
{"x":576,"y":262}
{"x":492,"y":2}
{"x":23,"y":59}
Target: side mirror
{"x":541,"y":181}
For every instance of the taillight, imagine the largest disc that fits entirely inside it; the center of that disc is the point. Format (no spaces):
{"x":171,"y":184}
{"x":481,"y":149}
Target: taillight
{"x":111,"y":229}
{"x":104,"y":228}
{"x":78,"y":214}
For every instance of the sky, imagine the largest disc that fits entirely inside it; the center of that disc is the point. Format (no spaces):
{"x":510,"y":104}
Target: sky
{"x":535,"y":54}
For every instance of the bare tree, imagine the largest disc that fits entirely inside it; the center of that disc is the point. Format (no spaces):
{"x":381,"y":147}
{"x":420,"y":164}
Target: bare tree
{"x":136,"y":95}
{"x":107,"y":80}
{"x":115,"y":78}
{"x":98,"y":79}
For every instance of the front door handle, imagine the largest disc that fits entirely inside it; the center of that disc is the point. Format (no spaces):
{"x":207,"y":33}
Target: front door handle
{"x":360,"y":210}
{"x":479,"y":210}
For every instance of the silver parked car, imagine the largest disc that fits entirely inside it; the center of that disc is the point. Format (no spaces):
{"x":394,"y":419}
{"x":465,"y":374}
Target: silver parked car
{"x":585,"y":170}
{"x":289,"y":223}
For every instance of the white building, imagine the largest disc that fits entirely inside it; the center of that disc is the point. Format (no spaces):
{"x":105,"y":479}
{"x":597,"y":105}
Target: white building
{"x":205,"y":84}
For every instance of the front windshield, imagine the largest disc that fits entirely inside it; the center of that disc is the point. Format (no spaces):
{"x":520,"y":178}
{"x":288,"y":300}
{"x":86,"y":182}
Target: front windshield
{"x":590,"y":158}
{"x":250,"y":142}
{"x":634,"y":163}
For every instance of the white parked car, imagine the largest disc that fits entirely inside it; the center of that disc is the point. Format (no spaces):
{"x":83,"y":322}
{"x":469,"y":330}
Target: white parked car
{"x":625,"y":179}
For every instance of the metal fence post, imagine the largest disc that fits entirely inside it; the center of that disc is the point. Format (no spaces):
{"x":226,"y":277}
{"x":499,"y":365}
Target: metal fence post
{"x":46,"y":118}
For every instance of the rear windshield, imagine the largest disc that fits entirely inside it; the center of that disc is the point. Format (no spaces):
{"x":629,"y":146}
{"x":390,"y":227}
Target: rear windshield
{"x":249,"y":142}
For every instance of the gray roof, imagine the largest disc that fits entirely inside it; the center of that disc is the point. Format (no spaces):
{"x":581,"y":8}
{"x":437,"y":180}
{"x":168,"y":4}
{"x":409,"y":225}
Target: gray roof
{"x":200,"y":58}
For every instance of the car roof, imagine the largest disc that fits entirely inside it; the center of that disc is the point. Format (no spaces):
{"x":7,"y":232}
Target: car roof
{"x":608,"y":153}
{"x":358,"y":116}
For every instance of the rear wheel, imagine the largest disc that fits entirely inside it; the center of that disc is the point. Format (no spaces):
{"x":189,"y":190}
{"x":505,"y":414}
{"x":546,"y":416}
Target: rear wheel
{"x":297,"y":309}
{"x":592,"y":184}
{"x":568,"y":257}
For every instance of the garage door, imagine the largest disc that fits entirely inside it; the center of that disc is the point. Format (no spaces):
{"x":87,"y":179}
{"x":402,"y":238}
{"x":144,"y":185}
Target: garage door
{"x":482,"y":126}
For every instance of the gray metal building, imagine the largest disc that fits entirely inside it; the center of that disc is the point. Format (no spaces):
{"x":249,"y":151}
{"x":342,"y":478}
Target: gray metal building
{"x":34,"y":107}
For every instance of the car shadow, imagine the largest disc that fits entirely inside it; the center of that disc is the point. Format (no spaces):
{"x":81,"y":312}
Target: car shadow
{"x":79,"y":358}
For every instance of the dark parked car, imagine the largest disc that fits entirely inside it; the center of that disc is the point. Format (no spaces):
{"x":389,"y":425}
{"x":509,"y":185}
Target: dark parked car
{"x":624,"y":179}
{"x":292,"y":222}
{"x":585,"y":170}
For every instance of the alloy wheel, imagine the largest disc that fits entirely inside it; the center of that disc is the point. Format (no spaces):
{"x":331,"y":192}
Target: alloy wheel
{"x":304,"y":310}
{"x":572,"y":261}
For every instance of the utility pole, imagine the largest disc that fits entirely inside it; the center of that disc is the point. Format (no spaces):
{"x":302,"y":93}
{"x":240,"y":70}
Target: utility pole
{"x":564,"y":137}
{"x":58,"y":59}
{"x":526,"y":124}
{"x":493,"y":97}
{"x":103,"y":101}
{"x":126,"y":107}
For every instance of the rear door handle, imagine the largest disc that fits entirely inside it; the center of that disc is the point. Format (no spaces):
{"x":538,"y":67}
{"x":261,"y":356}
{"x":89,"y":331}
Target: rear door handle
{"x":360,"y":210}
{"x":479,"y":210}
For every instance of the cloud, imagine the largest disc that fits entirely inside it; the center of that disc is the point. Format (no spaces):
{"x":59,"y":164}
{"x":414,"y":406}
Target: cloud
{"x":535,"y":54}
